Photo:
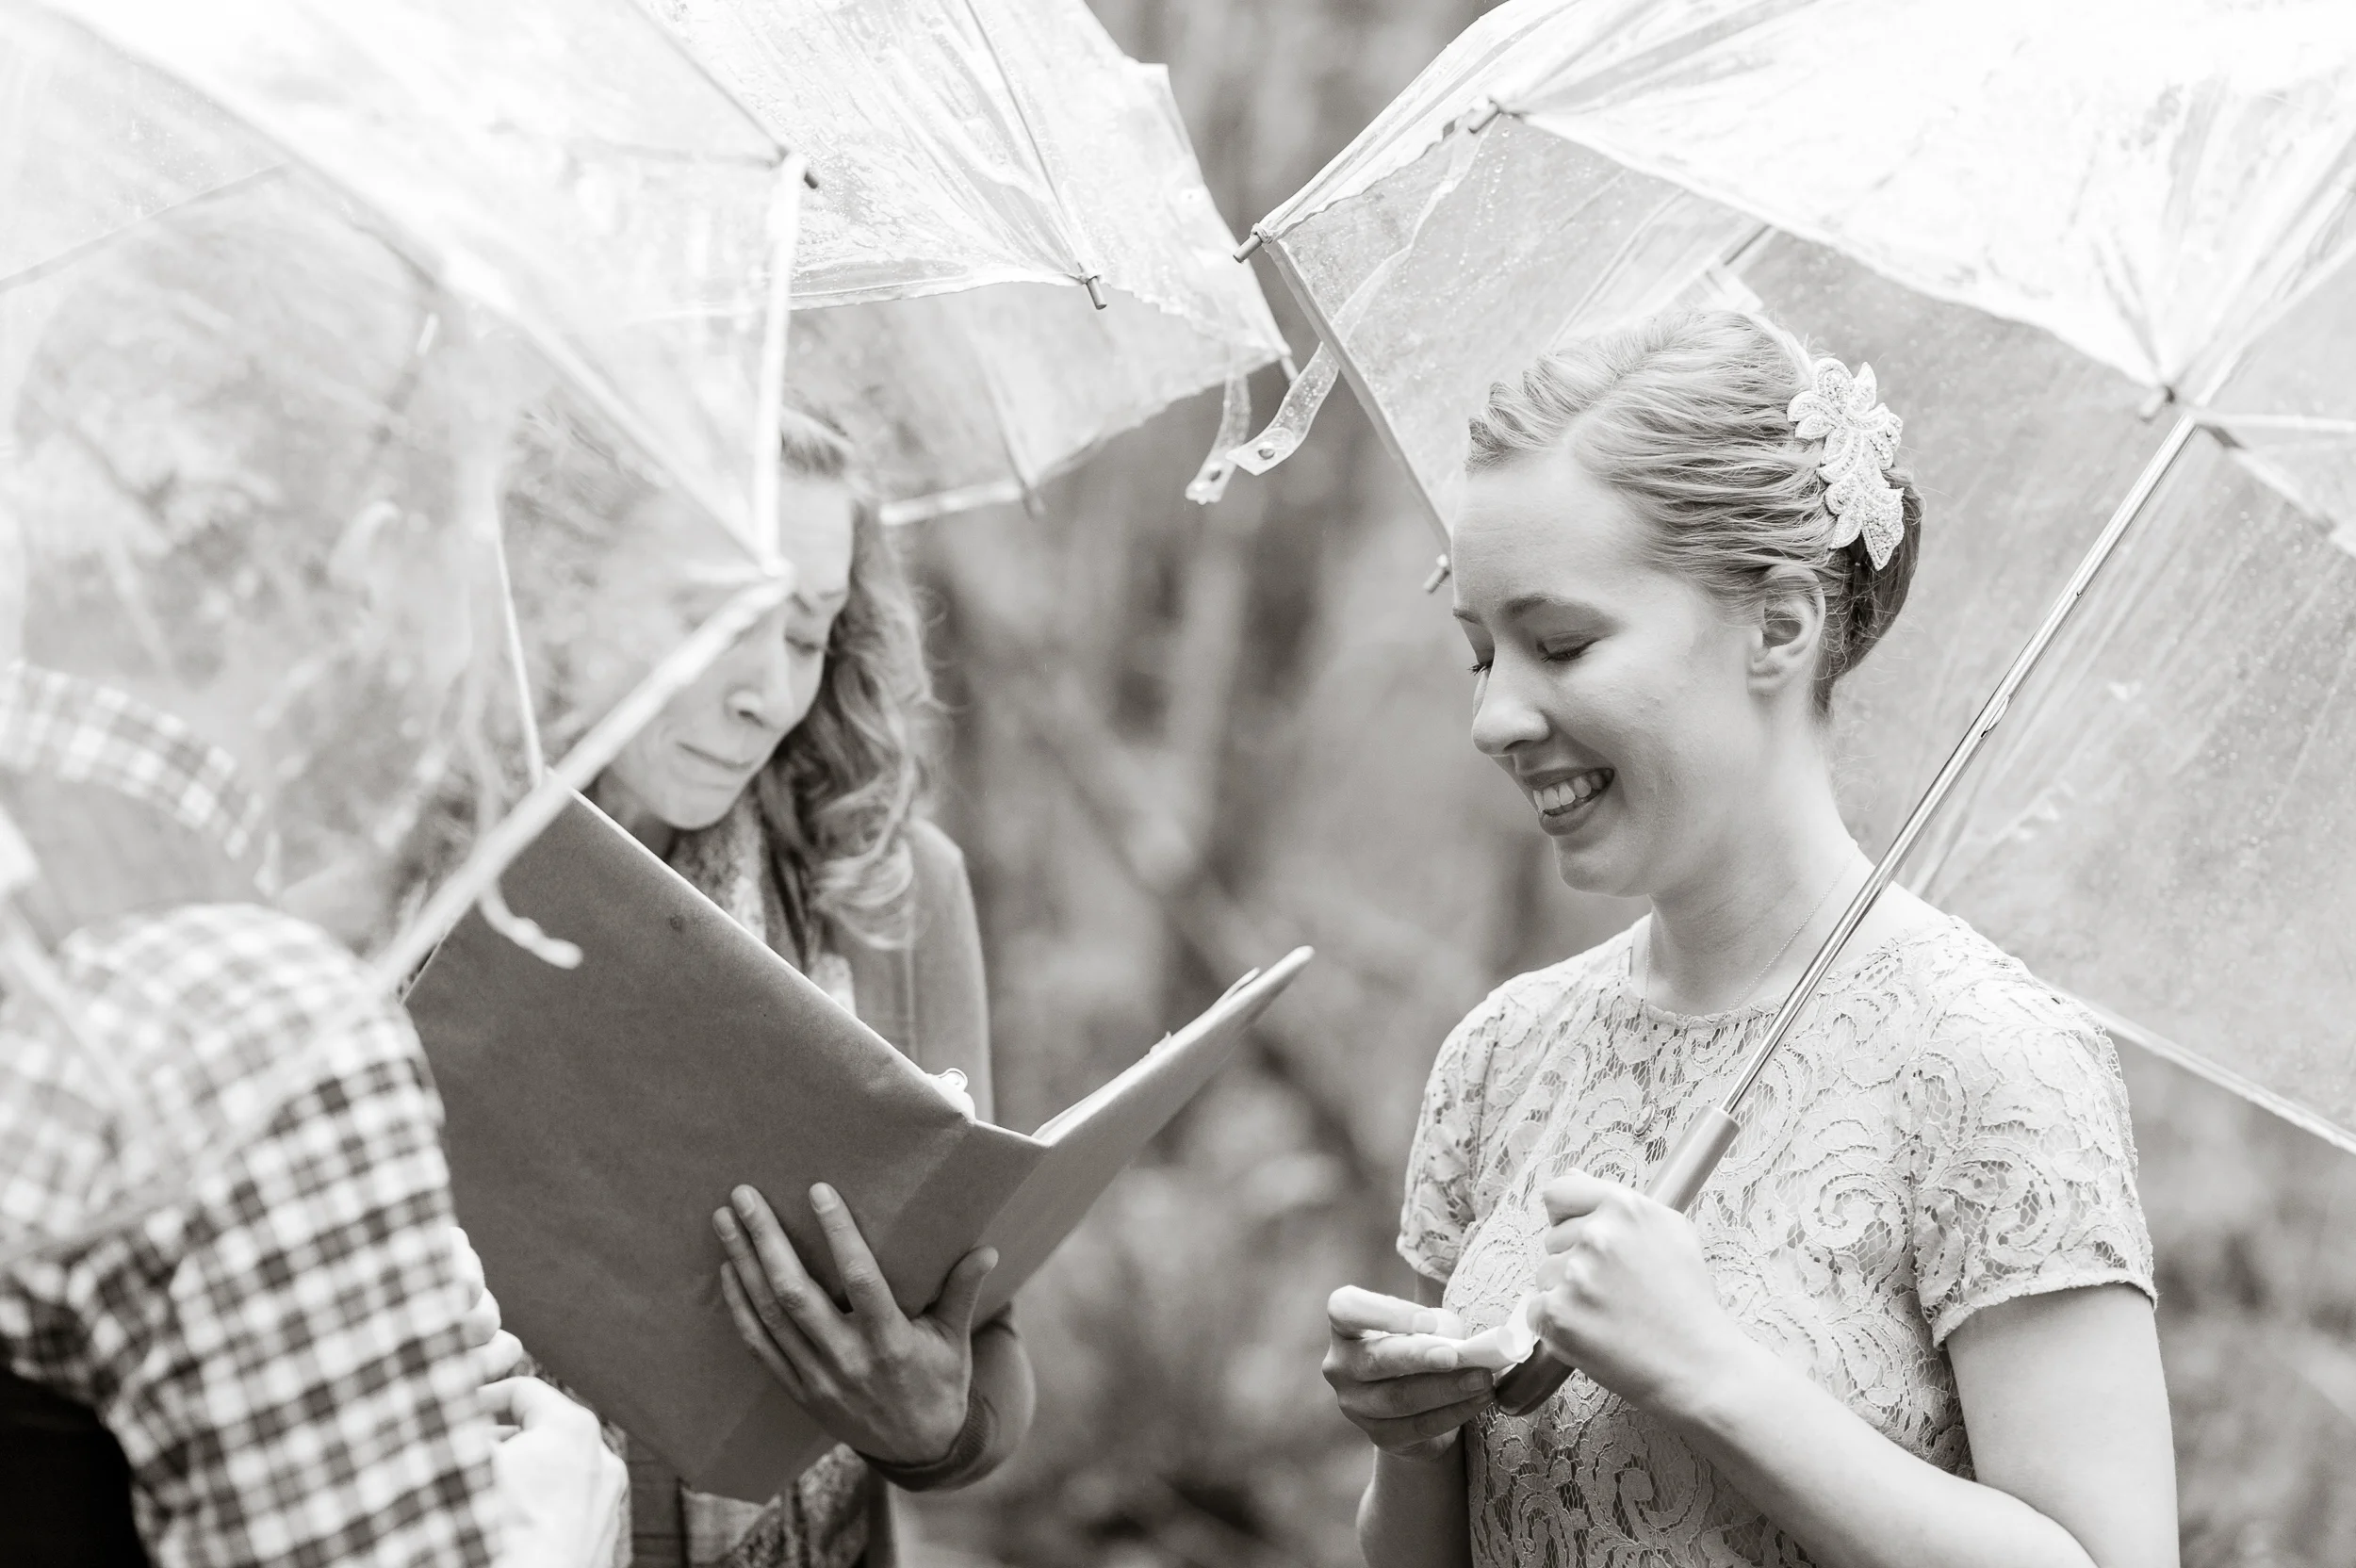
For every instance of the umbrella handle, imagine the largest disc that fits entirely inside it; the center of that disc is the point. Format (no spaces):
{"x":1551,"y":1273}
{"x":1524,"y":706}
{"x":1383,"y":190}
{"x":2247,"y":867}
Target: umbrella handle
{"x":1523,"y":1388}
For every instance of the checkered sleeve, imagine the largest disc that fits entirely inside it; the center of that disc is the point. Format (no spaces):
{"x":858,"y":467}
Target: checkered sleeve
{"x":84,"y":733}
{"x":278,"y":1349}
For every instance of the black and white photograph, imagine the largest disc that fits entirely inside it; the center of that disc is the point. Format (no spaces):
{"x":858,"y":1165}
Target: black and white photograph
{"x":1177,"y":784}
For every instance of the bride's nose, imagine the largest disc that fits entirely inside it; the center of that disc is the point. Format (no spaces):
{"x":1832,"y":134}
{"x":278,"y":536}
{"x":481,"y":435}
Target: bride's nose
{"x":1505,"y":714}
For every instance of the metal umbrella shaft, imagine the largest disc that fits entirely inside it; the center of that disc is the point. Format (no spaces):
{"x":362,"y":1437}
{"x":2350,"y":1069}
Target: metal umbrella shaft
{"x":1680,"y":1177}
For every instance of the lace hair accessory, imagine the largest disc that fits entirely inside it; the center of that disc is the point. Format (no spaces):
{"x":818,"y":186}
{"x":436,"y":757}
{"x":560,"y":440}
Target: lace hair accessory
{"x":1860,"y":437}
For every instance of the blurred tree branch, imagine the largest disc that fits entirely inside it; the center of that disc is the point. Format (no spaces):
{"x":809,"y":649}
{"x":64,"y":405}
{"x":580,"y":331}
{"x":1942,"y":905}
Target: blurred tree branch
{"x":1133,"y":811}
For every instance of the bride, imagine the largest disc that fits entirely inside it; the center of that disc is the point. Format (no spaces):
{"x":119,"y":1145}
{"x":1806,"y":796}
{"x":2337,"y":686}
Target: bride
{"x":1909,"y":1321}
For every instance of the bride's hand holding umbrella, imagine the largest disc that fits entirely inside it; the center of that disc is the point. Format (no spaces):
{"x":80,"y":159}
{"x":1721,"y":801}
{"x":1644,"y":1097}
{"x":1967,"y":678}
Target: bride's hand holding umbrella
{"x":1626,"y":1296}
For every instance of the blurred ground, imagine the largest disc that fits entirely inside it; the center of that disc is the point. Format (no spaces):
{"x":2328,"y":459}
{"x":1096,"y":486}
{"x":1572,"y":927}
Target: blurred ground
{"x":1180,"y":741}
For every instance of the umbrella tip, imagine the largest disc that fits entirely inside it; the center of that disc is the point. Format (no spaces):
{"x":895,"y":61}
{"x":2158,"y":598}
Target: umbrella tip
{"x":1252,"y":242}
{"x":1095,"y":285}
{"x":1440,"y":569}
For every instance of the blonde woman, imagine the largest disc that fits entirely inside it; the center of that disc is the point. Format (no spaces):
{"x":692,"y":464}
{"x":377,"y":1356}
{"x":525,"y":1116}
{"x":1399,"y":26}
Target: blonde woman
{"x":1909,"y":1321}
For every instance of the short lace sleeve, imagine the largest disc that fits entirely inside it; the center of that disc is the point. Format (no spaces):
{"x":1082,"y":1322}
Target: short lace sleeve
{"x":1438,"y":1211}
{"x":2024,"y":1164}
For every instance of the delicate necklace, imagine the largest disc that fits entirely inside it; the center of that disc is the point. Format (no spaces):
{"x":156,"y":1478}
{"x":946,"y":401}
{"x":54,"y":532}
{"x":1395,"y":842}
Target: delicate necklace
{"x":1643,"y":954}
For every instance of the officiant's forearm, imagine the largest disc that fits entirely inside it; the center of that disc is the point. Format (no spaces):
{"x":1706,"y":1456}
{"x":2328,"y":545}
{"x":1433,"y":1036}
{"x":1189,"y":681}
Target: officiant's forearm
{"x":1002,"y":1381}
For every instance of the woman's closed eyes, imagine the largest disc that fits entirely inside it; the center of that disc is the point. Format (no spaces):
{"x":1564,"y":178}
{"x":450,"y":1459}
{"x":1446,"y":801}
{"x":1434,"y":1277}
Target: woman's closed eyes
{"x":1556,"y":654}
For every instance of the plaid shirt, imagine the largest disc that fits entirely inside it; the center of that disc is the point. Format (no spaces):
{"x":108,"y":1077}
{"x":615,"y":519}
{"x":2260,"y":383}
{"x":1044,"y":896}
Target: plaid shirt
{"x":273,"y":1336}
{"x":85,"y":733}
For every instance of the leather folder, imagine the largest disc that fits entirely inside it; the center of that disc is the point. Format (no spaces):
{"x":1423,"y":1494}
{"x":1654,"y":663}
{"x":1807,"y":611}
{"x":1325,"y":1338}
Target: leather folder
{"x":597,"y":1114}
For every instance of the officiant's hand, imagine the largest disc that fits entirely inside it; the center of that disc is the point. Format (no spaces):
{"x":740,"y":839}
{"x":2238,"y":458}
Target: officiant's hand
{"x":892,"y":1387}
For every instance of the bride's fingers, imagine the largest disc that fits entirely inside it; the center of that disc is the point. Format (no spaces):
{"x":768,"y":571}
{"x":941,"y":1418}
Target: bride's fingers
{"x":1575,"y":1194}
{"x":1447,"y":1418}
{"x":1353,"y":1311}
{"x":1405,"y":1399}
{"x":1388,"y":1356}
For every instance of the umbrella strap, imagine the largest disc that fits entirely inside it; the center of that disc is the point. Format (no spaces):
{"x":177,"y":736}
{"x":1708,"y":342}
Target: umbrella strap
{"x":1290,"y":427}
{"x":1219,"y":464}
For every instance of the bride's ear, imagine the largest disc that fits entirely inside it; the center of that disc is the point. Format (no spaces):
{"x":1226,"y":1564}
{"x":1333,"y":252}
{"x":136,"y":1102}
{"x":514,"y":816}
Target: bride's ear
{"x":1791,"y":630}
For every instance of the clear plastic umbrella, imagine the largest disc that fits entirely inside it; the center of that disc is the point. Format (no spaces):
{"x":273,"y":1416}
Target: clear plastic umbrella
{"x":548,"y":201}
{"x":2044,"y":228}
{"x":297,"y":302}
{"x":1011,"y":256}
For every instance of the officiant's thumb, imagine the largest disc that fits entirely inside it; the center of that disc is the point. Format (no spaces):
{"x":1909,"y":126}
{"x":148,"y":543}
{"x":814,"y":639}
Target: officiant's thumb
{"x":963,"y":1288}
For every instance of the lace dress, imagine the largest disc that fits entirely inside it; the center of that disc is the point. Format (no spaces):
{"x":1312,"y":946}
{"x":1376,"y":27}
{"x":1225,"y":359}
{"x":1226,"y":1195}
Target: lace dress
{"x":1938,"y":1133}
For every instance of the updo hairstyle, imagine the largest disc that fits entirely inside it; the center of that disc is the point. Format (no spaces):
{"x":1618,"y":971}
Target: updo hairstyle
{"x":1684,"y":414}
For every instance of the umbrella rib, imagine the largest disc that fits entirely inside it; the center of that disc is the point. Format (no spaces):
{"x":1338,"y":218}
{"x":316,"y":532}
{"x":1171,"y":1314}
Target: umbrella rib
{"x":519,"y":668}
{"x":73,"y":253}
{"x":1091,"y":278}
{"x":1991,"y":713}
{"x":725,"y":89}
{"x":785,"y":220}
{"x":2257,"y":1094}
{"x":1323,"y":325}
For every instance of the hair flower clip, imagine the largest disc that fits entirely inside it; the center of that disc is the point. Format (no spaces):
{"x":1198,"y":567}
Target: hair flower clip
{"x":1860,"y":437}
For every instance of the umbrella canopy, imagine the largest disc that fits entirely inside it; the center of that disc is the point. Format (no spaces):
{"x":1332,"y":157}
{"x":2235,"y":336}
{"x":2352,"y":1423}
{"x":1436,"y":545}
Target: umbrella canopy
{"x":319,"y":326}
{"x":2041,"y":227}
{"x":559,"y":162}
{"x":267,"y":321}
{"x":1011,"y":256}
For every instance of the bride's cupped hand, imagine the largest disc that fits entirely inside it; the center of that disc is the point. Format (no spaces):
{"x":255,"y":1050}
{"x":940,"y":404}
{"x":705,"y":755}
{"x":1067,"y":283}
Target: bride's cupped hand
{"x":1394,"y":1378}
{"x":891,"y":1386}
{"x":1627,"y":1297}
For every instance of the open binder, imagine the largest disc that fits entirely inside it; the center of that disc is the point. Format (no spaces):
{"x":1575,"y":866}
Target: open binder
{"x":596,"y":1116}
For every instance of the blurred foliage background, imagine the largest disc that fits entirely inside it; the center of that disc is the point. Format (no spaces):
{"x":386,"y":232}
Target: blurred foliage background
{"x":1180,"y":740}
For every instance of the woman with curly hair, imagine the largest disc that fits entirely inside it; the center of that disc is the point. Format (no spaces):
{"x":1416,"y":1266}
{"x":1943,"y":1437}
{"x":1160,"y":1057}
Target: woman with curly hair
{"x":784,"y":784}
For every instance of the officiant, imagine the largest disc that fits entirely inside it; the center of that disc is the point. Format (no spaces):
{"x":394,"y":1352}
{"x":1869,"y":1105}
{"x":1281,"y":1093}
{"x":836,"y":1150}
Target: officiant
{"x":785,"y":785}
